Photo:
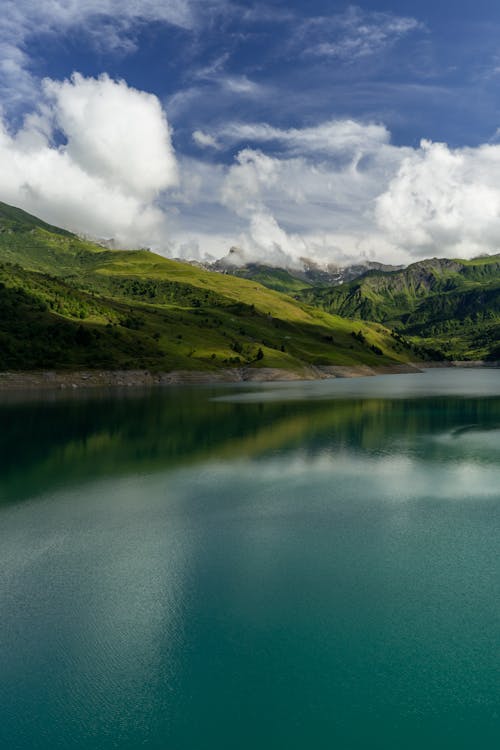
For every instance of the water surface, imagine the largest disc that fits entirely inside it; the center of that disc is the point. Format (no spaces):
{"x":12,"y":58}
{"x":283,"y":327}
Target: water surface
{"x":309,"y":565}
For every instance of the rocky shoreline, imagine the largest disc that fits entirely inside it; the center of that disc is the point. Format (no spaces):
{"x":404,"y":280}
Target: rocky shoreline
{"x":61,"y":380}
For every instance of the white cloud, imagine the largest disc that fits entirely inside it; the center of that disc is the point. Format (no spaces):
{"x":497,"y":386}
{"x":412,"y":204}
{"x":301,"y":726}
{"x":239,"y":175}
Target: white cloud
{"x":110,"y":24}
{"x":115,"y":132}
{"x":333,"y":137}
{"x":23,"y":18}
{"x":354,"y":34}
{"x":444,"y":201}
{"x":318,"y":203}
{"x":214,"y":73}
{"x":336,"y":192}
{"x":104,"y":180}
{"x":204,"y":140}
{"x":16,"y":82}
{"x":241,"y":85}
{"x":341,"y":192}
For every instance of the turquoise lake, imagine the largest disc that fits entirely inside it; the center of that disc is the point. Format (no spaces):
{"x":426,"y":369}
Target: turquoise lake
{"x":279,"y":566}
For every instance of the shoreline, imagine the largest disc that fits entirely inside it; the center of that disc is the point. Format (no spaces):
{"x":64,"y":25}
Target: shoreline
{"x":73,"y":380}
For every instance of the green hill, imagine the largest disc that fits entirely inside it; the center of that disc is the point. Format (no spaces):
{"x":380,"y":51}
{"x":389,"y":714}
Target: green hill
{"x":279,"y":279}
{"x":452,"y":306}
{"x":69,"y":303}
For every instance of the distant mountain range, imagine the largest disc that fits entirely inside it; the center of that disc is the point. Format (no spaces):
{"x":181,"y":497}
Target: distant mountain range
{"x":293,"y":278}
{"x":66,"y":302}
{"x":449,"y":305}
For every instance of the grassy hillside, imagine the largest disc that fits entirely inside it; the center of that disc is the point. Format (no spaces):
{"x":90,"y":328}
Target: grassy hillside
{"x":67,"y":303}
{"x":449,"y":305}
{"x":279,"y":279}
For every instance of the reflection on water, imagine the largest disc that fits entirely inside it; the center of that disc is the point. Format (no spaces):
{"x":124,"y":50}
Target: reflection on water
{"x":301,"y":565}
{"x":46,"y":443}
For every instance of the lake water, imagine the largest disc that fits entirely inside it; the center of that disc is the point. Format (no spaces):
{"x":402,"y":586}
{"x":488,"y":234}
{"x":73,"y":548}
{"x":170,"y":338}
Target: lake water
{"x":281,"y":566}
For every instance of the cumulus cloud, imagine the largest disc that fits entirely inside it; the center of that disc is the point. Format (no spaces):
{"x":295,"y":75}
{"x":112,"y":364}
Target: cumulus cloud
{"x":115,"y":132}
{"x":342,"y":192}
{"x":97,"y":157}
{"x":444,"y":201}
{"x":104,"y":179}
{"x":316,"y":204}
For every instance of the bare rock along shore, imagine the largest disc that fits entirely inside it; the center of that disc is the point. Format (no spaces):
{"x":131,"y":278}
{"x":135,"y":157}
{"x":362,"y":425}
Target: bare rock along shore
{"x":61,"y":380}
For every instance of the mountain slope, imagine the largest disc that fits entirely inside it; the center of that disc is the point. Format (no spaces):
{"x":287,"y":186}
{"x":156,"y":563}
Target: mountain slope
{"x":67,"y":303}
{"x":451,"y":305}
{"x":279,"y":279}
{"x":304,"y":275}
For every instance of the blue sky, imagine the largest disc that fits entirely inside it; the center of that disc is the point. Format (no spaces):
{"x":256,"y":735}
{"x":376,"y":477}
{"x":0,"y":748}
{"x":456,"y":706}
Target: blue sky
{"x":435,"y":76}
{"x":331,"y":130}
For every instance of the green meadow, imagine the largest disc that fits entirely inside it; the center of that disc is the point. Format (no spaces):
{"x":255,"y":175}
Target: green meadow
{"x":68,"y":303}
